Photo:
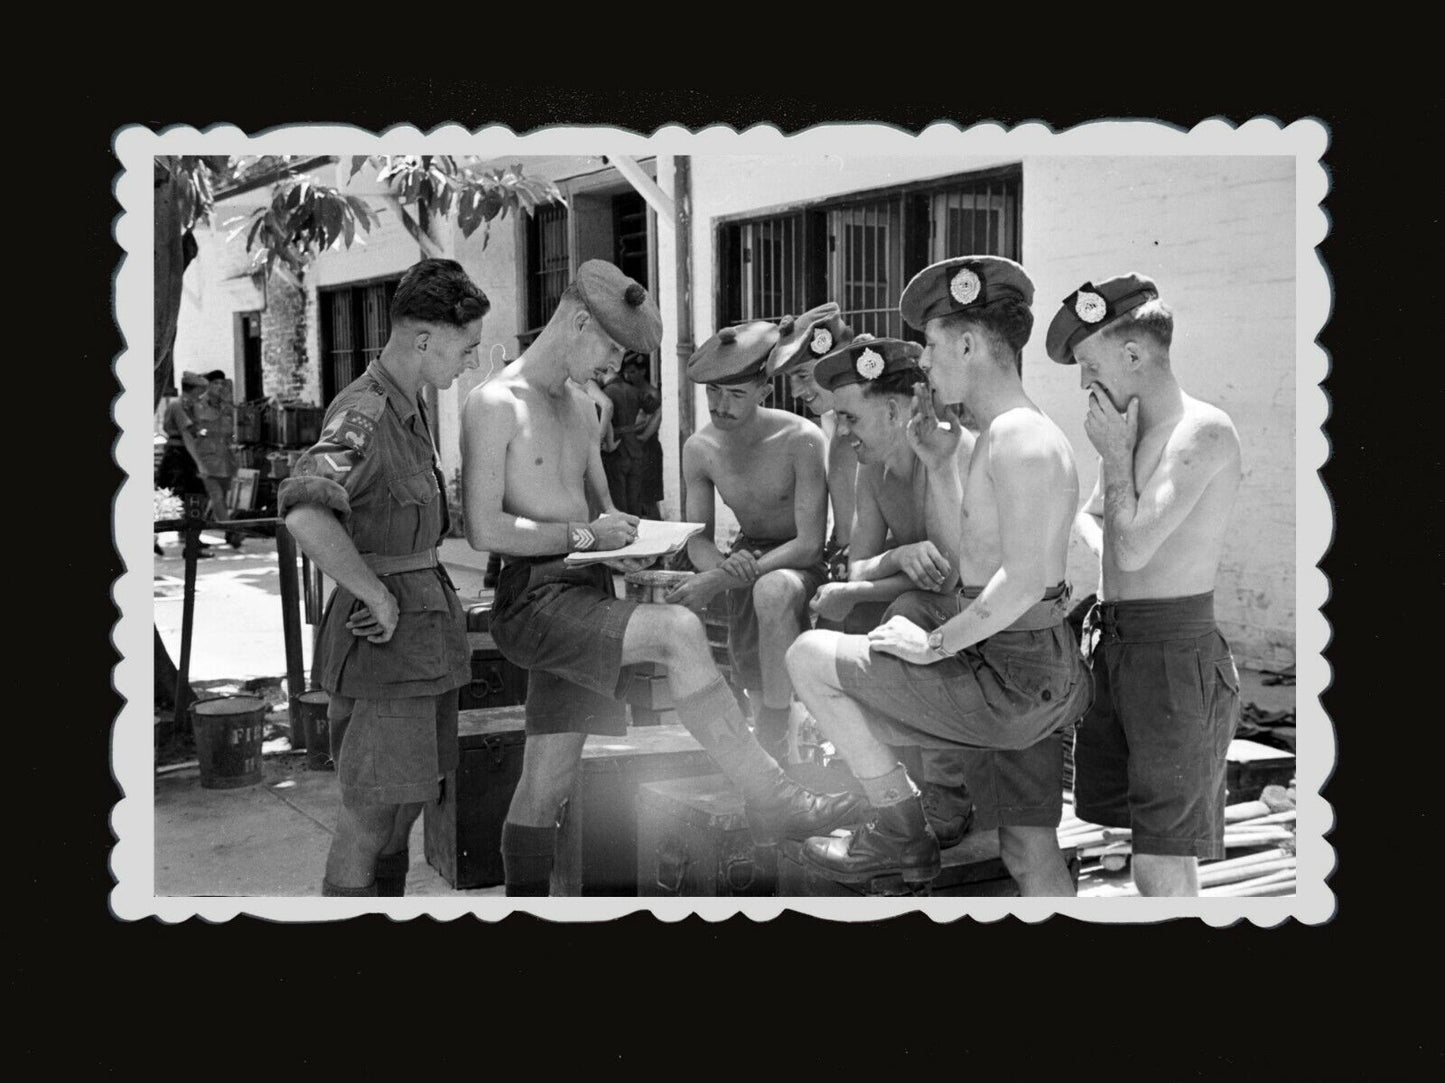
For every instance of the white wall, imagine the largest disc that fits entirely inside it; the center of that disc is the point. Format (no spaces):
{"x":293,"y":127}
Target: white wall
{"x":1218,"y":236}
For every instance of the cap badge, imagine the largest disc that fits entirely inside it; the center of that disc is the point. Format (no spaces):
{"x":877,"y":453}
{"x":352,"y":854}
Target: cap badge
{"x":870,"y":364}
{"x":1090,"y":307}
{"x":822,"y":341}
{"x":965,"y":287}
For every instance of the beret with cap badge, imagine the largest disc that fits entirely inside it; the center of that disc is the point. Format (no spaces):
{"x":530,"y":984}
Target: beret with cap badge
{"x":620,"y":304}
{"x":809,"y":337}
{"x":866,"y":359}
{"x":961,"y":283}
{"x":1093,"y":307}
{"x":734,"y":355}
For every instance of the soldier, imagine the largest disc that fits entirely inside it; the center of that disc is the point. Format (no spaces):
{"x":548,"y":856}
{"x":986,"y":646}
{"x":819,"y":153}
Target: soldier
{"x":1150,"y":754}
{"x":1000,"y":674}
{"x":535,"y":491}
{"x":902,"y":552}
{"x":215,"y":426}
{"x":802,"y":343}
{"x":369,"y":506}
{"x":767,"y":466}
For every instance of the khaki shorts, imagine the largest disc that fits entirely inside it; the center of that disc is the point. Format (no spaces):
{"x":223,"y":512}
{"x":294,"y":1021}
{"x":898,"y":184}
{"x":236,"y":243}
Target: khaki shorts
{"x":1000,"y":705}
{"x":392,"y":751}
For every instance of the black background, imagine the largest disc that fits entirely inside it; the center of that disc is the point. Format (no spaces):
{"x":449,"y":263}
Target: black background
{"x":1169,"y":1001}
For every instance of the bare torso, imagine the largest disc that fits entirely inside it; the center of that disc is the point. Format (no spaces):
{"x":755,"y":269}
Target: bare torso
{"x":1186,"y":561}
{"x":548,"y":454}
{"x":900,"y":499}
{"x":981,"y":549}
{"x":756,"y":478}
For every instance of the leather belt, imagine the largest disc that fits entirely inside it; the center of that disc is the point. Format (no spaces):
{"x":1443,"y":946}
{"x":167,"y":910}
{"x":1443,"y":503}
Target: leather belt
{"x":1052,"y":610}
{"x":406,"y":562}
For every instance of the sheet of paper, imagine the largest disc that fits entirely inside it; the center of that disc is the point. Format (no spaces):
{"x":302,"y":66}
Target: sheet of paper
{"x":655,"y":538}
{"x":1242,"y":750}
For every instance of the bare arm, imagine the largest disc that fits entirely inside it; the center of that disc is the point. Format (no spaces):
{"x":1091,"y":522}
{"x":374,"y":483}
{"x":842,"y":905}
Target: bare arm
{"x":323,"y":539}
{"x":702,"y":547}
{"x":1137,"y":522}
{"x":599,"y":494}
{"x":649,"y":430}
{"x":867,"y":559}
{"x":1090,"y":520}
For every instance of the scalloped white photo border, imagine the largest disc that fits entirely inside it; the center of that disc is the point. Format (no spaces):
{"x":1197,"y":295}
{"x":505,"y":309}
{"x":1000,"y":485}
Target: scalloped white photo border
{"x":132,"y":859}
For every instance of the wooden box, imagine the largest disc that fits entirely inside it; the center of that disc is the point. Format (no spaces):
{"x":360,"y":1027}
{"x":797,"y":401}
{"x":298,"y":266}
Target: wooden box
{"x":597,"y":845}
{"x":495,"y":682}
{"x":1251,"y":766}
{"x":693,"y":840}
{"x":973,"y":868}
{"x":463,"y":831}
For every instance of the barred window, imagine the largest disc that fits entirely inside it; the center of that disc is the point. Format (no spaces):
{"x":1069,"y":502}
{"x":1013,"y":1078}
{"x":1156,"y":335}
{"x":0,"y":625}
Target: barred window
{"x":355,"y":324}
{"x":549,"y":267}
{"x":860,"y":251}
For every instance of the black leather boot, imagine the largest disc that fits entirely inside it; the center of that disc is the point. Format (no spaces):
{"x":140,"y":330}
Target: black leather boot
{"x":793,"y":812}
{"x":897,"y":842}
{"x":949,"y":810}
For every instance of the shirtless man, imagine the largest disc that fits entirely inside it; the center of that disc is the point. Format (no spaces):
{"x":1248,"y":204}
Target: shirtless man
{"x":802,"y":343}
{"x":899,"y":546}
{"x":1150,"y":754}
{"x":1001,"y":674}
{"x":767,"y":465}
{"x":535,"y":490}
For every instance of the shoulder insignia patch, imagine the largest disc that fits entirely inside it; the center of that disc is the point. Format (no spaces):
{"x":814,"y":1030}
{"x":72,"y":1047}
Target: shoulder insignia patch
{"x":371,"y":402}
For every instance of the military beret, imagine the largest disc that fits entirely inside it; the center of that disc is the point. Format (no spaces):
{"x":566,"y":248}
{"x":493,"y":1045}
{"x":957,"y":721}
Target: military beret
{"x":1091,"y":308}
{"x":620,"y":305}
{"x":808,"y":337}
{"x":193,"y":379}
{"x":962,"y":283}
{"x":734,"y":355}
{"x":866,"y":359}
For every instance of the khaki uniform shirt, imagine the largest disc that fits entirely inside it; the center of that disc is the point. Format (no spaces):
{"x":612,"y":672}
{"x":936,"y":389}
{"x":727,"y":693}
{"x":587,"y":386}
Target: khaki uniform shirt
{"x":375,"y":466}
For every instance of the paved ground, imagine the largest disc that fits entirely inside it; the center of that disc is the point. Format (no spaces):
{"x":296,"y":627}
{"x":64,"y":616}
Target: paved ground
{"x":268,"y":839}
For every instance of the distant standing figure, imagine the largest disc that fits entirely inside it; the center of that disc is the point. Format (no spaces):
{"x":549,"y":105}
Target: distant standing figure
{"x":631,"y":398}
{"x":180,"y":469}
{"x":215,"y":427}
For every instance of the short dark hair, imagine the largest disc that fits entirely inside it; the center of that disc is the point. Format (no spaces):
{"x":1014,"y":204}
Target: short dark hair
{"x":216,"y":374}
{"x":1008,"y":322}
{"x":897,"y":382}
{"x":1152,"y":320}
{"x":438,"y":291}
{"x":636,"y":360}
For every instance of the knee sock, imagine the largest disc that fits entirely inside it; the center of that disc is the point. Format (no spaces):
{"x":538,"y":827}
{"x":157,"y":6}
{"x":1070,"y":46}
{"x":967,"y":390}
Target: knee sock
{"x":711,"y":714}
{"x":390,"y":872}
{"x":328,"y":888}
{"x":891,"y":789}
{"x":771,"y":723}
{"x":527,"y":854}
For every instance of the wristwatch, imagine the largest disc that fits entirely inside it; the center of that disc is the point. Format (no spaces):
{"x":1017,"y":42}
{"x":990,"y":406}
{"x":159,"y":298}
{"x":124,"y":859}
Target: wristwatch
{"x":935,"y":644}
{"x":581,"y":538}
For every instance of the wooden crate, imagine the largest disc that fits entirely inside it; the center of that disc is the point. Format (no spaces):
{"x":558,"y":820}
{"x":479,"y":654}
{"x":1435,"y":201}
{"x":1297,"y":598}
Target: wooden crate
{"x":463,"y":831}
{"x":495,"y":681}
{"x":973,"y":868}
{"x":597,"y":845}
{"x":693,"y":840}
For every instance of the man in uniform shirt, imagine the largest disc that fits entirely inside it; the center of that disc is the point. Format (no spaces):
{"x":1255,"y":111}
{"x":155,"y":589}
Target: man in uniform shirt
{"x":1150,"y":754}
{"x":369,"y":506}
{"x":1000,"y":673}
{"x":215,"y":426}
{"x":768,"y":468}
{"x":536,"y":490}
{"x":181,"y":468}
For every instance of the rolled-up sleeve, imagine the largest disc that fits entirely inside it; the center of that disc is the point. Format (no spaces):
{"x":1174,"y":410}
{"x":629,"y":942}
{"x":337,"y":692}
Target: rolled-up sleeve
{"x":332,"y":471}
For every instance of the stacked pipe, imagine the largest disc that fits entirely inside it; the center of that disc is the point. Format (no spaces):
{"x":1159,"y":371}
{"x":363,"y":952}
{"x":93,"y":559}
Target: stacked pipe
{"x":1264,"y":828}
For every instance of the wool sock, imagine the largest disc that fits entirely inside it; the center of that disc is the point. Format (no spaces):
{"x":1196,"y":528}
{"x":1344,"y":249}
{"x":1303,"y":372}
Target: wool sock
{"x":771,"y":723}
{"x":891,"y":789}
{"x":390,"y":871}
{"x":711,"y":714}
{"x":328,"y":888}
{"x":527,"y":854}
